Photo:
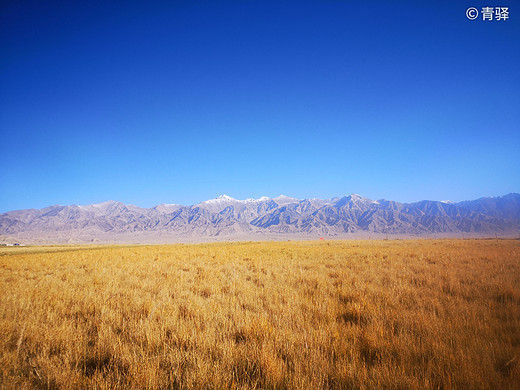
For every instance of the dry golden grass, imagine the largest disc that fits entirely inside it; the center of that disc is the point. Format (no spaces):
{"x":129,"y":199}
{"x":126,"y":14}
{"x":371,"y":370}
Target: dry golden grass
{"x":306,"y":315}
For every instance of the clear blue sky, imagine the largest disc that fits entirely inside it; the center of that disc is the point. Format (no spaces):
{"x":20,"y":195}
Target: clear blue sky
{"x":179,"y":101}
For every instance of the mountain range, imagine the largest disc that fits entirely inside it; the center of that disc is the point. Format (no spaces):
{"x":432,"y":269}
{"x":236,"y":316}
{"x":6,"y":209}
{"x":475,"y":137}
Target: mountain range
{"x":264,"y":218}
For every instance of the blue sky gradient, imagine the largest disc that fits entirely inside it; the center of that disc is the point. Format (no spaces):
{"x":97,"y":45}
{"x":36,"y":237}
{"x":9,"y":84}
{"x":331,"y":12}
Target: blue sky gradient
{"x":180,"y":101}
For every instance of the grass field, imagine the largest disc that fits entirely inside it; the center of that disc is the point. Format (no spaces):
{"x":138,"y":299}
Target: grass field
{"x":307,"y":315}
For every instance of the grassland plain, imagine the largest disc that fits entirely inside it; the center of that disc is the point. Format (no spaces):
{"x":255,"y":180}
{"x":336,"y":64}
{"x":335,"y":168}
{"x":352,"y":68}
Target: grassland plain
{"x":308,"y":315}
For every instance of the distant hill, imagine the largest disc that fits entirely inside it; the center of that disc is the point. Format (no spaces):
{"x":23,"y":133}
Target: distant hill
{"x":265,"y":217}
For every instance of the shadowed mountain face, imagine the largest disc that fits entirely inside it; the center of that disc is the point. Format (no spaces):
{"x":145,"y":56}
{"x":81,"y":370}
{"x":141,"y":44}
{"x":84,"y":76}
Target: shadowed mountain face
{"x":283,"y":215}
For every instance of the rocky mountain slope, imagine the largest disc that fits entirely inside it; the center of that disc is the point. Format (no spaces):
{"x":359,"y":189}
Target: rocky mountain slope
{"x":225,"y":216}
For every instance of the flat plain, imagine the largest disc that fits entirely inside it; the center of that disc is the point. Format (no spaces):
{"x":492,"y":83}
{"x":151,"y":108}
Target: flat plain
{"x":398,"y":314}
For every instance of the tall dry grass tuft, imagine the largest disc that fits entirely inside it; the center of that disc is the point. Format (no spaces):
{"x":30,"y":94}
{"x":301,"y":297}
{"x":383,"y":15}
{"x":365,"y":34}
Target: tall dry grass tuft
{"x":306,"y":315}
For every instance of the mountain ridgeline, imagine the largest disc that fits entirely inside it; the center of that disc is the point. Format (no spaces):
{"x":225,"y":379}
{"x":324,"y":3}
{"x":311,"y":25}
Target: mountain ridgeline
{"x":225,"y":216}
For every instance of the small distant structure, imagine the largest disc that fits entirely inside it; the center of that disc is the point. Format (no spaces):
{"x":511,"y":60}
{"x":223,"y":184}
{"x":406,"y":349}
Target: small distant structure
{"x":322,"y":239}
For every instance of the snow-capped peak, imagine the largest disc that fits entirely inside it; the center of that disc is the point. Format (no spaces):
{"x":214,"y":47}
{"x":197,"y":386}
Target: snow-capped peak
{"x":225,"y":197}
{"x":220,"y":199}
{"x":283,"y":199}
{"x":261,"y":199}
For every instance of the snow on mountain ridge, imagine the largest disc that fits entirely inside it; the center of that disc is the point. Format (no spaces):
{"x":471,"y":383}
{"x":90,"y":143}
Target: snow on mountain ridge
{"x":225,"y":198}
{"x":219,"y":199}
